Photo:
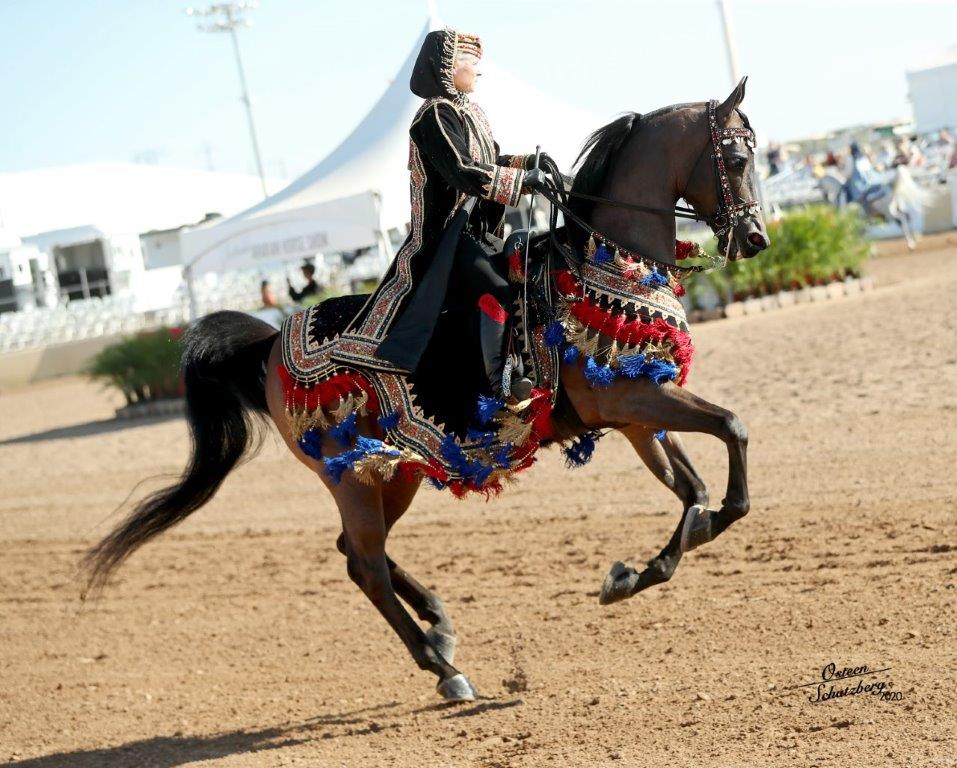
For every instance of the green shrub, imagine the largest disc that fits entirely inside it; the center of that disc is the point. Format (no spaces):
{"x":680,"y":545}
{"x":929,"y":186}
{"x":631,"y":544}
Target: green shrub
{"x":144,"y":367}
{"x":811,"y":246}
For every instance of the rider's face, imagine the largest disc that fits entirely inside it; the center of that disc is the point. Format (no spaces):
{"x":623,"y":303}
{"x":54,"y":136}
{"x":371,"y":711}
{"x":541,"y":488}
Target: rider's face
{"x":465,"y":73}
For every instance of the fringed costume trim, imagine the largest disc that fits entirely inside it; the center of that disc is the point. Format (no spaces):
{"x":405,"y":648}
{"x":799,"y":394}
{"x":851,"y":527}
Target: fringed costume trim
{"x":642,"y":346}
{"x":503,"y":441}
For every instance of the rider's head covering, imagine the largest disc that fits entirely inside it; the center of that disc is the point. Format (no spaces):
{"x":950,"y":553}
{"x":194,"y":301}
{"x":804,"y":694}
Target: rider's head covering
{"x":855,"y":149}
{"x":432,"y":74}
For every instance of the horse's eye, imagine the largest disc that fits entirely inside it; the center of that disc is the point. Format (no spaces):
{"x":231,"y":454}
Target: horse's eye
{"x":738,"y":162}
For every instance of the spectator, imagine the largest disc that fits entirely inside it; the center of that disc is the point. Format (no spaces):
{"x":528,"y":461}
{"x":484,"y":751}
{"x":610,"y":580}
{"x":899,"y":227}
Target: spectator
{"x":775,"y":159}
{"x":310,"y":293}
{"x":267,"y":294}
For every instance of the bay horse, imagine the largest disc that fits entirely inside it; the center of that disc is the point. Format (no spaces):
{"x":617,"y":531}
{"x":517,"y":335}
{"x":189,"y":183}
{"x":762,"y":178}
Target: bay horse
{"x":636,"y":167}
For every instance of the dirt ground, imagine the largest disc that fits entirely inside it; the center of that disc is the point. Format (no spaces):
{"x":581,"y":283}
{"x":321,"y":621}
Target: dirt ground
{"x":238,"y":639}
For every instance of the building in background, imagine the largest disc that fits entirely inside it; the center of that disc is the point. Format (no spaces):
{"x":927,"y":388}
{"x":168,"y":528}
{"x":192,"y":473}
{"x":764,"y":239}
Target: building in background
{"x":933,"y":92}
{"x":26,"y":279}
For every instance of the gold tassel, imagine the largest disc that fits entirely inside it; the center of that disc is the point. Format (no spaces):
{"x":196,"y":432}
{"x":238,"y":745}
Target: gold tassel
{"x":361,"y":403}
{"x":613,"y":354}
{"x":365,"y":470}
{"x":345,"y":408}
{"x":590,"y":248}
{"x":573,"y":326}
{"x":514,"y":430}
{"x":589,"y":346}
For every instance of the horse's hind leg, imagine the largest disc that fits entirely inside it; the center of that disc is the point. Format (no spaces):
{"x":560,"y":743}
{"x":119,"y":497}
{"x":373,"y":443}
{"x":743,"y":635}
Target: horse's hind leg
{"x":363,"y":523}
{"x":397,"y":495}
{"x":670,"y":463}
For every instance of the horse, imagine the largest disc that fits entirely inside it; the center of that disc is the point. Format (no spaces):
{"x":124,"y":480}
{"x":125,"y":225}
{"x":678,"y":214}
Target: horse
{"x":897,"y":201}
{"x":632,"y":173}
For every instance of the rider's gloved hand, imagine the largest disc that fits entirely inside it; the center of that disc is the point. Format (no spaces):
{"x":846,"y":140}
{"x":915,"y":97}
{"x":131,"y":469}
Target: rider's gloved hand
{"x":534,"y":180}
{"x":545,"y":162}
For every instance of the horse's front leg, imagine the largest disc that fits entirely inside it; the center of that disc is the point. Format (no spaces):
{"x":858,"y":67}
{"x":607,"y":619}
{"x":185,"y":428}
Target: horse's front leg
{"x":651,"y":407}
{"x":668,"y":461}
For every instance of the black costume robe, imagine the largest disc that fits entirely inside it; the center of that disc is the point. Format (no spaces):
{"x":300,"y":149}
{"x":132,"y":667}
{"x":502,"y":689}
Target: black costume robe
{"x":452,"y":157}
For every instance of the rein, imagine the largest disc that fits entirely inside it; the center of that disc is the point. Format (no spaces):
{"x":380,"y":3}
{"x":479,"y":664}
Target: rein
{"x":678,"y":211}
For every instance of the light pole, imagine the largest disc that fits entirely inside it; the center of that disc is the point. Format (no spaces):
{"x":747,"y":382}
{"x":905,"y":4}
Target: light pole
{"x":226,"y":18}
{"x":729,"y":43}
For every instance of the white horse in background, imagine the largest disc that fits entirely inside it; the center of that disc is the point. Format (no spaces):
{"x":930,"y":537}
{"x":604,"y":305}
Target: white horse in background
{"x":897,"y":202}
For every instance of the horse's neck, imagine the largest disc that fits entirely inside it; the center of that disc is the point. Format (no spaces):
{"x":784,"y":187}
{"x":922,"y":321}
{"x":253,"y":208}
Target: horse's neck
{"x":645,"y":183}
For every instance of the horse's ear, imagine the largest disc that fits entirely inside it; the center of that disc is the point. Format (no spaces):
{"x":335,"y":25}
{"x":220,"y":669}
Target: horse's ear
{"x":734,"y":100}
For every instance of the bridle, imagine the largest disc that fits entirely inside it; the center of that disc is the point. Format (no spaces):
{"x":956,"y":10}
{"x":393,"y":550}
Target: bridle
{"x":728,"y":211}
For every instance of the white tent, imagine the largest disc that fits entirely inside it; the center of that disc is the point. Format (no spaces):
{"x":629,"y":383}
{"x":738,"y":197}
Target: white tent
{"x":361,"y":189}
{"x":119,"y":197}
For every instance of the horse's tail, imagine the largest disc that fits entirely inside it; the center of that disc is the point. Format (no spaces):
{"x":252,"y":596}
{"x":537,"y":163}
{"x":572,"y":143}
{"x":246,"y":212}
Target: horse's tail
{"x":223,"y":365}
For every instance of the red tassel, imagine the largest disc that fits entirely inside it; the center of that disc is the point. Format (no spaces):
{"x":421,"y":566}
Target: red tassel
{"x":491,"y":307}
{"x":325,"y":393}
{"x":683,"y":249}
{"x":516,"y":269}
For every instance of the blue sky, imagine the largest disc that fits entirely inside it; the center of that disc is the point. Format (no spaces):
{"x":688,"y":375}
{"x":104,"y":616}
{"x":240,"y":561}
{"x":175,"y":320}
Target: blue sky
{"x":121,"y":80}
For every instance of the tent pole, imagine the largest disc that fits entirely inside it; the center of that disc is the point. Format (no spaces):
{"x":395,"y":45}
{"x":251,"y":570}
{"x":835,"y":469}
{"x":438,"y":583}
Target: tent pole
{"x":385,"y":244}
{"x":190,"y":292}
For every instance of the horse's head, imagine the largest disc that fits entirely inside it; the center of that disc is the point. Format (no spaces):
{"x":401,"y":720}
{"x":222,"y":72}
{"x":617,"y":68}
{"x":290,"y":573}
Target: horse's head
{"x":724,"y":190}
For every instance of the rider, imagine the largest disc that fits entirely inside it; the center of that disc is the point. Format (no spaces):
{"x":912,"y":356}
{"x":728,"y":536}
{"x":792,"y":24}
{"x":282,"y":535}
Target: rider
{"x":453,"y":158}
{"x":862,"y":184}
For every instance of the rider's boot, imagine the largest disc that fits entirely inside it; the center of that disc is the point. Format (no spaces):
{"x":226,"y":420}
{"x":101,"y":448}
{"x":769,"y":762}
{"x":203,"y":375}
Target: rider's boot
{"x":494,"y":329}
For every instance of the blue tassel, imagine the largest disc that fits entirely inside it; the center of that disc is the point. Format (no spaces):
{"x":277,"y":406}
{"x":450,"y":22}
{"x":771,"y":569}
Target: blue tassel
{"x":554,"y":334}
{"x":345,"y":430}
{"x":436,"y":483}
{"x":630,"y":365}
{"x":369,"y":445}
{"x":660,"y":435}
{"x":579,"y":453}
{"x":502,"y":456}
{"x":598,"y":376}
{"x":337,"y":465}
{"x":487,"y":408}
{"x":452,"y":452}
{"x":654,"y":278}
{"x":311,"y":443}
{"x":479,"y":473}
{"x":602,"y":256}
{"x":570,"y":355}
{"x":389,"y":422}
{"x":365,"y":446}
{"x":485,"y":439}
{"x":473,"y":471}
{"x":659,"y":371}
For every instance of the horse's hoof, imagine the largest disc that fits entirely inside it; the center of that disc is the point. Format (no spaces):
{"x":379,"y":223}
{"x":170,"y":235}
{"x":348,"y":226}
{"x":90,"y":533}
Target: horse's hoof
{"x":444,"y":644}
{"x":457,"y":688}
{"x":619,"y":584}
{"x":695,"y":528}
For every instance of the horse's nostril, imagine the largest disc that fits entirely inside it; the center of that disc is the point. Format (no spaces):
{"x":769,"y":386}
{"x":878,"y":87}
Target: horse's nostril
{"x":758,"y":240}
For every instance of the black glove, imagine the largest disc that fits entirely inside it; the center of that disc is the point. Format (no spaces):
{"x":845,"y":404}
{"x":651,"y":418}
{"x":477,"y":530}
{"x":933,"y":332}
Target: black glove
{"x":544,"y":162}
{"x":535,"y":180}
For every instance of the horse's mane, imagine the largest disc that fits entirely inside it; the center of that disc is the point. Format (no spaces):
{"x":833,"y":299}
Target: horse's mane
{"x":599,"y":150}
{"x":595,"y":159}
